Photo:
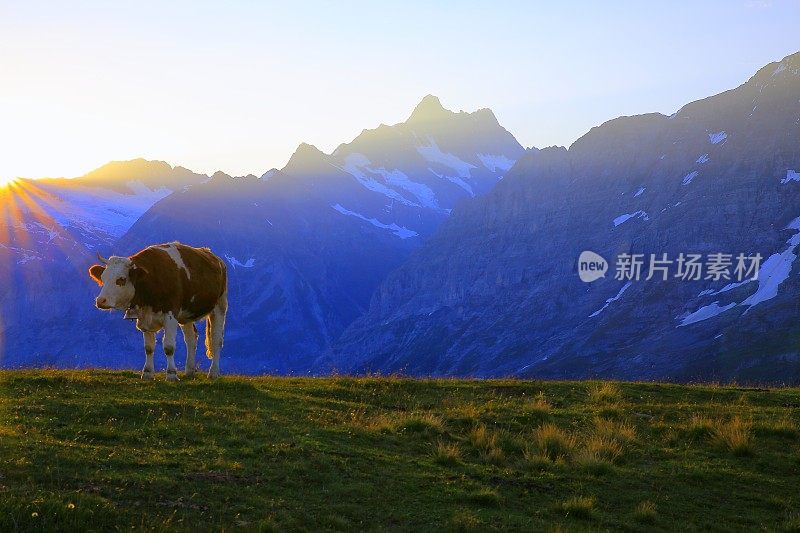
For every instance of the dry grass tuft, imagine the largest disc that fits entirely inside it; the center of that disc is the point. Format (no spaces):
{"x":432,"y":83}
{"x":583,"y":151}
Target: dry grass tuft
{"x":488,"y":443}
{"x":382,"y":423}
{"x":645,"y":512}
{"x":421,"y":423}
{"x":605,"y":393}
{"x":593,"y":463}
{"x":700,"y":425}
{"x":579,"y":506}
{"x":535,"y":459}
{"x":463,"y":413}
{"x":734,"y":436}
{"x":538,"y":406}
{"x":494,"y":456}
{"x":621,"y":432}
{"x":397,"y":422}
{"x":447,"y":454}
{"x":604,"y":447}
{"x":482,"y":438}
{"x":554,"y":443}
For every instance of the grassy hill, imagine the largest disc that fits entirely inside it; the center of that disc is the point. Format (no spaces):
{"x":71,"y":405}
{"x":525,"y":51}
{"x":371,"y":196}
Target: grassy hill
{"x":98,"y":450}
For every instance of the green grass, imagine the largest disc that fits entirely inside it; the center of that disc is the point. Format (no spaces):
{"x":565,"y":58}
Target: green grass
{"x":99,"y":450}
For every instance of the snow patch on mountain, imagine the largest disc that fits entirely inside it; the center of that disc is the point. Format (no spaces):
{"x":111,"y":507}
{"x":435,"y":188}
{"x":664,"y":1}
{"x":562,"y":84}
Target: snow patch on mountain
{"x":458,"y":181}
{"x":611,"y":300}
{"x":639,"y":192}
{"x":704,"y":313}
{"x":791,"y":175}
{"x":624,"y":218}
{"x":772,"y":272}
{"x":494,"y":162}
{"x":396,"y":178}
{"x":702,"y":159}
{"x":24,"y":255}
{"x":400,"y":231}
{"x":726,"y":288}
{"x":433,"y":154}
{"x":353,"y":164}
{"x":687,"y":179}
{"x":778,"y":70}
{"x":98,"y":209}
{"x":775,"y":270}
{"x":718,"y":137}
{"x":236,"y":263}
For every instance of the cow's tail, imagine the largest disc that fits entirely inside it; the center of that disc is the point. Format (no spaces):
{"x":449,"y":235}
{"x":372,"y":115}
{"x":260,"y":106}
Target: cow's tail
{"x":217,"y":315}
{"x":209,"y":351}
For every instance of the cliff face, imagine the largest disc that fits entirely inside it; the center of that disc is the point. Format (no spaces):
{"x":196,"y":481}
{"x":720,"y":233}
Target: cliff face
{"x":496,"y":290}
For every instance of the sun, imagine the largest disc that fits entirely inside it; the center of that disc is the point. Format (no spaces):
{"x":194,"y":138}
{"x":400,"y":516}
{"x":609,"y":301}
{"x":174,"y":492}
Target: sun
{"x":6,"y":182}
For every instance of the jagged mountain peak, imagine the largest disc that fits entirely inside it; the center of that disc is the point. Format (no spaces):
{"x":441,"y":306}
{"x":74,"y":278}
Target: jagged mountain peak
{"x":429,"y":109}
{"x":306,"y":159}
{"x":269,"y":174}
{"x":305,"y":150}
{"x":220,"y":175}
{"x":124,"y":168}
{"x":486,"y":114}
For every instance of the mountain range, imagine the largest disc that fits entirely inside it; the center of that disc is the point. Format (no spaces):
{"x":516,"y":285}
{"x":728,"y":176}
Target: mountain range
{"x":441,"y":246}
{"x":496,"y":290}
{"x":306,"y":245}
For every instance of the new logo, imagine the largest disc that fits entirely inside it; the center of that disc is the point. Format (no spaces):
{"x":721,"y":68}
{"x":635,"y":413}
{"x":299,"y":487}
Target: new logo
{"x":591,"y":266}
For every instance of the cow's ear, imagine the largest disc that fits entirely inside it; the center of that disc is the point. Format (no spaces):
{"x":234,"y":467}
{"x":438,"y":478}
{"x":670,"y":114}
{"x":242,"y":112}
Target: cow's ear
{"x":136,"y":273}
{"x":95,"y":271}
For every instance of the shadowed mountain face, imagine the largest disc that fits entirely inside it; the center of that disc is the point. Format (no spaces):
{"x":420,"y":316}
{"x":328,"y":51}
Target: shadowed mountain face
{"x":305,"y":245}
{"x":496,"y":291}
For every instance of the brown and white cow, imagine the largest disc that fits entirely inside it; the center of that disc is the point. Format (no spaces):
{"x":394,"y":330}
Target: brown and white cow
{"x":167,"y":286}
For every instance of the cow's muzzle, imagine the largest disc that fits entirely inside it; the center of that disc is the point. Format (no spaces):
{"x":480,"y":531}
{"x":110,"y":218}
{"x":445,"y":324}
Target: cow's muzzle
{"x":101,"y":303}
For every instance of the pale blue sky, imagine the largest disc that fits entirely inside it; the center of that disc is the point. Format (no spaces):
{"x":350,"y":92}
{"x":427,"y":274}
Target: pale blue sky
{"x":237,"y":85}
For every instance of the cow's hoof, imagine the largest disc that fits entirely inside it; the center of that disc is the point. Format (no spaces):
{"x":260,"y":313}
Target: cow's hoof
{"x":213,"y":374}
{"x":172,"y":376}
{"x":148,"y":375}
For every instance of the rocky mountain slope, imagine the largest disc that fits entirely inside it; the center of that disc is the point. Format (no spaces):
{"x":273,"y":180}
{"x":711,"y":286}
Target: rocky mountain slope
{"x":308,"y":244}
{"x":496,"y":290}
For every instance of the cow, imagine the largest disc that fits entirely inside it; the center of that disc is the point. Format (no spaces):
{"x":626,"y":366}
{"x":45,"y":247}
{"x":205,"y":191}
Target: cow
{"x":168,"y":286}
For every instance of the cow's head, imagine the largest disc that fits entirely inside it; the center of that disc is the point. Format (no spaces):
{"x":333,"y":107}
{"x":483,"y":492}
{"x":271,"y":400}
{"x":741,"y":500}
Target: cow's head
{"x":116,"y":277}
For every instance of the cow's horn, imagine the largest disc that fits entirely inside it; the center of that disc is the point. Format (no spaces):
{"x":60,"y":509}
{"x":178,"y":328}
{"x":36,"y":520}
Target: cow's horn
{"x":102,"y":259}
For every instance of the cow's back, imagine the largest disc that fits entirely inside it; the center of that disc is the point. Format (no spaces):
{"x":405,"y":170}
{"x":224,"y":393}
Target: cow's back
{"x":206,"y":285}
{"x":182,"y":279}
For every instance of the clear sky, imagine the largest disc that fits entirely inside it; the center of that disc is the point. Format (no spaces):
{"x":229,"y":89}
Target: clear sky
{"x":237,"y":85}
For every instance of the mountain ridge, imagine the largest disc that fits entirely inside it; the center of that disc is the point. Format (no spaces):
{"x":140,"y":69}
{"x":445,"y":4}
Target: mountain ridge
{"x":495,"y":291}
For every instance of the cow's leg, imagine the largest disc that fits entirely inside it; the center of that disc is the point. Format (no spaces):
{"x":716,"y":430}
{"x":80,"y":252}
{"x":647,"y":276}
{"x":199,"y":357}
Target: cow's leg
{"x":190,"y":338}
{"x":215,"y":330}
{"x":170,"y":337}
{"x":149,"y":347}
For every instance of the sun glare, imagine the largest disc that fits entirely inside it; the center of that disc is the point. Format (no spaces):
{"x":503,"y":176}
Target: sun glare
{"x":5,"y":182}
